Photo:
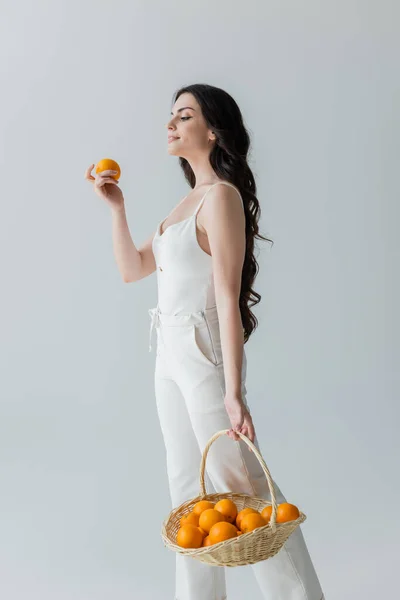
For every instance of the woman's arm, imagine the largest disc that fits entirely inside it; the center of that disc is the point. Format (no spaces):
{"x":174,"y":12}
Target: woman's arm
{"x":223,"y":219}
{"x":133,"y":263}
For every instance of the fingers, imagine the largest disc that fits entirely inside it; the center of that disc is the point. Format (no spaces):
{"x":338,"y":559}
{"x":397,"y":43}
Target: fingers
{"x":247,"y":430}
{"x":107,"y":173}
{"x":251,"y":432}
{"x":244,"y":431}
{"x":88,"y":173}
{"x":236,"y":438}
{"x":233,"y":434}
{"x":102,"y":180}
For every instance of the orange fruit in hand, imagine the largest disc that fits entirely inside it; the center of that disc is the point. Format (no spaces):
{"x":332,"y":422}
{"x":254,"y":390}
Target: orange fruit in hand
{"x":201,"y":506}
{"x":286,"y":512}
{"x":209,"y":517}
{"x":241,"y":514}
{"x":191,"y":518}
{"x":228,"y":508}
{"x":251,"y":521}
{"x":106,"y":164}
{"x":266,"y":513}
{"x":222,"y":531}
{"x":189,"y":536}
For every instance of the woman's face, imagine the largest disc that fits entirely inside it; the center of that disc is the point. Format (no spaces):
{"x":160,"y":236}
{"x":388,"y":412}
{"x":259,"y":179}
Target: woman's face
{"x":189,"y":129}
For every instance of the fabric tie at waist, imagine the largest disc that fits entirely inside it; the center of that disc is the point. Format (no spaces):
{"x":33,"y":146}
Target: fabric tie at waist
{"x":157,"y":317}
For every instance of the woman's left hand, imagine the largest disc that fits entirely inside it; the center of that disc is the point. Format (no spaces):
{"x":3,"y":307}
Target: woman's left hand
{"x":240,"y":418}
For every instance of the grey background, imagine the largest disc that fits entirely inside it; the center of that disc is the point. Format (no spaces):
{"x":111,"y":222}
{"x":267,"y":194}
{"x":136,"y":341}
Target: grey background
{"x":83,"y":485}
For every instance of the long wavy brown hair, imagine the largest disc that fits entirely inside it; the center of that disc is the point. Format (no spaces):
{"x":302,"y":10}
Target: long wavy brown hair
{"x":228,"y":158}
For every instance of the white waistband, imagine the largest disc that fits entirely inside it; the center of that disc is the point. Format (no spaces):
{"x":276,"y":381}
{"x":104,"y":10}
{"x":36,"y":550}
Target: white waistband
{"x":170,"y":320}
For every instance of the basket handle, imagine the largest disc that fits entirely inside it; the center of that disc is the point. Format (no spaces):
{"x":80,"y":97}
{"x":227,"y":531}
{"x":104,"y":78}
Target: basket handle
{"x":260,"y":460}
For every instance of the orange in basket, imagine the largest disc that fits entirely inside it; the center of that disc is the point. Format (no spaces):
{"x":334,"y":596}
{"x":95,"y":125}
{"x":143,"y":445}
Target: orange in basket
{"x":251,"y":522}
{"x":209,"y":517}
{"x":266,"y":513}
{"x":201,"y":506}
{"x":242,"y":513}
{"x":189,"y":536}
{"x":287,"y":512}
{"x":191,"y":518}
{"x":222,"y":531}
{"x":228,"y":508}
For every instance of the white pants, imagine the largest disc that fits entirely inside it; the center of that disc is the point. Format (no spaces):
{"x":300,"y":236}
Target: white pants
{"x":189,"y":389}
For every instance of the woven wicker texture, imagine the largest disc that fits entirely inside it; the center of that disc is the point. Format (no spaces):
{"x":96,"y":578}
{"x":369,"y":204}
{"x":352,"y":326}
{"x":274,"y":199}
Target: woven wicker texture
{"x":246,"y":549}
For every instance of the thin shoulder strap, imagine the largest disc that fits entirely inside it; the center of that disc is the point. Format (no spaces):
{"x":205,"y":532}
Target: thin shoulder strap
{"x":223,"y":182}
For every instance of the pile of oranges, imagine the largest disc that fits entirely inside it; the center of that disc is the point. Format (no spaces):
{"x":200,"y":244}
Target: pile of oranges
{"x":210,"y":523}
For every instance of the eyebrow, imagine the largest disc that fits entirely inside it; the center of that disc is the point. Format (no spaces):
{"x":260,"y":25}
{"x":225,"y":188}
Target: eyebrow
{"x":183,"y":108}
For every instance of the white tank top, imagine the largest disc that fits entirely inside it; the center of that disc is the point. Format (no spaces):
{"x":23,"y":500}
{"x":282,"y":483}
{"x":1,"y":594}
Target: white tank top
{"x":184,"y":270}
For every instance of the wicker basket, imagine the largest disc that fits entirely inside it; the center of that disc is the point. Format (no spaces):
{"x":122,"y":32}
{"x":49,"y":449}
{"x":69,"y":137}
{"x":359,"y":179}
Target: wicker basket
{"x":246,"y":549}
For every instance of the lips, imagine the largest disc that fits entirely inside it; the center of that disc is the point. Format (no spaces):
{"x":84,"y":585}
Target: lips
{"x":171,"y":139}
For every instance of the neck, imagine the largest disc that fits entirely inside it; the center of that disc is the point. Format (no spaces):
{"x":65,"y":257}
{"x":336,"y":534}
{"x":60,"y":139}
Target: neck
{"x":203,"y":172}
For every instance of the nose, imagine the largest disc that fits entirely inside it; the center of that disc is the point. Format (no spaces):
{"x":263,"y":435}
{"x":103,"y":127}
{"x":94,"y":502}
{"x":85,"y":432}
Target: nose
{"x":169,"y":124}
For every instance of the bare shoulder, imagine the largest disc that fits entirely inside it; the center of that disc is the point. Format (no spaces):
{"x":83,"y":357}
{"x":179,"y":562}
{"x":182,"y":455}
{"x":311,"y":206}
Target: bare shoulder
{"x":223,"y":201}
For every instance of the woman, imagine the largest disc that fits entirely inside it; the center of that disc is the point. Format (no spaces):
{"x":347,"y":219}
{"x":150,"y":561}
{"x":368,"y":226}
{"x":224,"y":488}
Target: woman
{"x":203,"y":254}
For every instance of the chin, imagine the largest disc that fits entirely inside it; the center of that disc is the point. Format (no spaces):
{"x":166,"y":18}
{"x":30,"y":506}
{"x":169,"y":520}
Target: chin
{"x":172,"y":152}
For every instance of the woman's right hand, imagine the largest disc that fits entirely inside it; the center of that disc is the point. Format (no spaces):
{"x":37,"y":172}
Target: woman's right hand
{"x":106,"y":187}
